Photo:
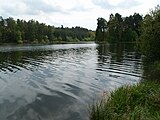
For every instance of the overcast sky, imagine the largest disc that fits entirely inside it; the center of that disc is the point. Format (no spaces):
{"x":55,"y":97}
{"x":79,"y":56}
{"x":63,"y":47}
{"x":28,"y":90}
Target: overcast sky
{"x":70,"y":13}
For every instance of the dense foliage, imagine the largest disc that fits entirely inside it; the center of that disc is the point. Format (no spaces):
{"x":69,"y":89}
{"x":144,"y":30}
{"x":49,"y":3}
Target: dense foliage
{"x":145,"y":31}
{"x":150,"y":35}
{"x":21,"y":31}
{"x":138,"y":102}
{"x":118,"y":28}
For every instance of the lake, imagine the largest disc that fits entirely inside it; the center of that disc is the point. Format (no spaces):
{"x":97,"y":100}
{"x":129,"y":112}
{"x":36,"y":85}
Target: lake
{"x":59,"y":82}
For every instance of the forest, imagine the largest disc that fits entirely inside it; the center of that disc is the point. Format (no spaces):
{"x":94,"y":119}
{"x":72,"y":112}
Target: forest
{"x":118,"y":28}
{"x":21,"y":31}
{"x":142,"y":30}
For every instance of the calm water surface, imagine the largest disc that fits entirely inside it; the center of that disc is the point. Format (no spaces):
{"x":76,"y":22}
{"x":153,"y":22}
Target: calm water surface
{"x":58,"y":82}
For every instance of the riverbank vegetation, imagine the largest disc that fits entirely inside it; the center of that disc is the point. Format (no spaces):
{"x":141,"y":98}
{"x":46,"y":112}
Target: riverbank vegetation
{"x":149,"y":44}
{"x":21,"y":31}
{"x":137,"y":102}
{"x":141,"y":101}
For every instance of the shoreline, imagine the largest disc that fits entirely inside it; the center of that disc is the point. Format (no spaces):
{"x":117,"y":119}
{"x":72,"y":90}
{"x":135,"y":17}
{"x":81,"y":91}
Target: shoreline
{"x":53,"y":43}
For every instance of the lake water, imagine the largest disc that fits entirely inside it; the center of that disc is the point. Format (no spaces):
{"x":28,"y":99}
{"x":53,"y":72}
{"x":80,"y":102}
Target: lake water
{"x":59,"y":82}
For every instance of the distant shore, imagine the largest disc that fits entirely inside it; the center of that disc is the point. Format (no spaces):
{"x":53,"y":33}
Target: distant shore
{"x":55,"y":42}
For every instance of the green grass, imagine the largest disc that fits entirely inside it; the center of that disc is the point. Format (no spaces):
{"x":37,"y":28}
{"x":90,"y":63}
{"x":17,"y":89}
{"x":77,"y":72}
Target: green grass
{"x":137,"y":102}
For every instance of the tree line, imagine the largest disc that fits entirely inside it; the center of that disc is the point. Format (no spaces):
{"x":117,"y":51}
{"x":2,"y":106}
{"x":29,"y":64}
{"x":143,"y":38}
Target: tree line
{"x":144,"y":31}
{"x":21,"y":31}
{"x":118,"y":28}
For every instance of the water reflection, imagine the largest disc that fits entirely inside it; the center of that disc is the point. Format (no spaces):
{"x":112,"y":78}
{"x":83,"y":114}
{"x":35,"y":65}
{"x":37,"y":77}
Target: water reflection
{"x":59,"y":81}
{"x":47,"y":107}
{"x":118,"y":64}
{"x":151,"y":70}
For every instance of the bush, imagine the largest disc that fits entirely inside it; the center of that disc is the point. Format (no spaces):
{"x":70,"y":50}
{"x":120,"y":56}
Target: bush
{"x":150,"y":35}
{"x":35,"y":41}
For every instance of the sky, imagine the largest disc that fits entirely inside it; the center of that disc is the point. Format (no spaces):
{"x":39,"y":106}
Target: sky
{"x":71,"y":13}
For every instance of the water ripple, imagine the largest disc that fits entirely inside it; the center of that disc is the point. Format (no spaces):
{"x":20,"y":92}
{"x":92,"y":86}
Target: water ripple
{"x":42,"y":82}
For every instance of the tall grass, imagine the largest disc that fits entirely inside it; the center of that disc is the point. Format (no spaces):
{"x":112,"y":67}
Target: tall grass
{"x":137,"y":102}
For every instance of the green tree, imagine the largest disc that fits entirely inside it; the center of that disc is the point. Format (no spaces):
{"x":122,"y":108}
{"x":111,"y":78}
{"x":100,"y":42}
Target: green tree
{"x":19,"y":37}
{"x":119,"y":29}
{"x":150,"y":35}
{"x":101,"y":29}
{"x":50,"y":33}
{"x":115,"y":27}
{"x":9,"y":30}
{"x":21,"y":31}
{"x":137,"y":22}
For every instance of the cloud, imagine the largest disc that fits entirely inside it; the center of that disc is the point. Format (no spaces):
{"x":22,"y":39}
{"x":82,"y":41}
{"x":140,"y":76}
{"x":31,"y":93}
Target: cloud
{"x":112,"y":4}
{"x":103,"y":4}
{"x":16,"y":8}
{"x":37,"y":6}
{"x":127,"y":4}
{"x":79,"y":8}
{"x":28,"y":7}
{"x":72,"y":12}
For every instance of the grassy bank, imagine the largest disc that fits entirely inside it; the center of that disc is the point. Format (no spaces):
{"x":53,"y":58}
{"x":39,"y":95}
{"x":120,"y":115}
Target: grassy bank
{"x":137,"y":102}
